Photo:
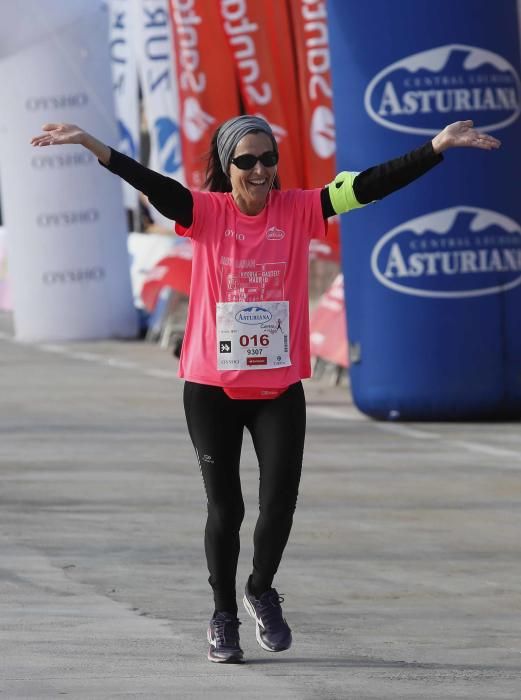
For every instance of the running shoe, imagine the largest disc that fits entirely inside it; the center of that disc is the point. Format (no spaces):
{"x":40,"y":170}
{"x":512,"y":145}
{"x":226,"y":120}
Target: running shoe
{"x":223,"y":637}
{"x":271,"y":629}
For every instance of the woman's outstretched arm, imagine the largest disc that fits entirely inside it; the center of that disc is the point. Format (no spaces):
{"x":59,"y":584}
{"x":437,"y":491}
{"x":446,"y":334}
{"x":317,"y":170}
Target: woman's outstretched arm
{"x":352,"y":190}
{"x":167,"y":195}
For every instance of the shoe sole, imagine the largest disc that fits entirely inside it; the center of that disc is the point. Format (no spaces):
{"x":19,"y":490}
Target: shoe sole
{"x":229,"y":660}
{"x":251,"y":612}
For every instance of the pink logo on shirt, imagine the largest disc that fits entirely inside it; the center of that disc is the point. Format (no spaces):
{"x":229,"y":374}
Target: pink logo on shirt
{"x":275,"y":234}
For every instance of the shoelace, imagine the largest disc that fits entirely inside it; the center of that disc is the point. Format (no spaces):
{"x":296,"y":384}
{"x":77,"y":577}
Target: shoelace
{"x":270,"y":610}
{"x":226,"y":629}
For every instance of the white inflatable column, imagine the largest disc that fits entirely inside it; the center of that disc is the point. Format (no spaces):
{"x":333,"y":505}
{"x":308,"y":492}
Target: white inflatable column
{"x":67,"y":238}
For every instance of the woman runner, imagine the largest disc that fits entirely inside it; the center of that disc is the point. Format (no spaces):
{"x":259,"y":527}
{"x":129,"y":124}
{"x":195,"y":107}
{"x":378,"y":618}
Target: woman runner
{"x":246,"y":346}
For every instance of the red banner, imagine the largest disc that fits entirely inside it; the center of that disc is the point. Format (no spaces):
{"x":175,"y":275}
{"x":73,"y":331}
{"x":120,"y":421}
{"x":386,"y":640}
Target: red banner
{"x":207,"y":81}
{"x":259,"y":36}
{"x":328,"y":333}
{"x":310,"y":28}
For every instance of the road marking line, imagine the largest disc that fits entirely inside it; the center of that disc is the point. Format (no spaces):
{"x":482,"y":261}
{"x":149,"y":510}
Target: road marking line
{"x":120,"y":363}
{"x":161,"y":373}
{"x":351,"y":414}
{"x":406,"y":431}
{"x":486,"y":449}
{"x":47,"y":347}
{"x":86,"y":356}
{"x":414,"y":433}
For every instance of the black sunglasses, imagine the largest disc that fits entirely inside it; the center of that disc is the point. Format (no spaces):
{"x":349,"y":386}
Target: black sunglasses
{"x":248,"y":161}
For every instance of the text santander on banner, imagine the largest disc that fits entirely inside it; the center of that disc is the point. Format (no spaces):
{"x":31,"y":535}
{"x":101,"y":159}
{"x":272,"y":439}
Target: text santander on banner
{"x":310,"y":26}
{"x":258,"y":36}
{"x":207,"y":87}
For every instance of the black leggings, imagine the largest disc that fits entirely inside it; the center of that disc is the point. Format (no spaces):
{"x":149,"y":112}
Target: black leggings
{"x":277,"y":426}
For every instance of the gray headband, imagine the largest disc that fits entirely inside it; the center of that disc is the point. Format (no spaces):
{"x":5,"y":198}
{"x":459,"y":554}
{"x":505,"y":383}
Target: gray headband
{"x":232,"y":131}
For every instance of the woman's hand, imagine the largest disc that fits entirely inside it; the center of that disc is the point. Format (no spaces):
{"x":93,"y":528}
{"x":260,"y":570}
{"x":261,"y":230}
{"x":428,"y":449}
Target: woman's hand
{"x":61,"y":134}
{"x":463,"y":134}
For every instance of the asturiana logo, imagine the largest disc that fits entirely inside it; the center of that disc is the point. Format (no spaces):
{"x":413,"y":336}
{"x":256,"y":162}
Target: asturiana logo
{"x":420,"y":94}
{"x":253,"y":315}
{"x":452,"y":253}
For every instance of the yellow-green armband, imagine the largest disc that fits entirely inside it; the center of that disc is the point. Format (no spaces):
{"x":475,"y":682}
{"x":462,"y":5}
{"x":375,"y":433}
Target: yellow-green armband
{"x":341,"y":193}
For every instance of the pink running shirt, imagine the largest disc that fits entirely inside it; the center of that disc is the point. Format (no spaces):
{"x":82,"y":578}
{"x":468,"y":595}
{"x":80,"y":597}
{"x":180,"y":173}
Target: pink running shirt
{"x":240,"y":258}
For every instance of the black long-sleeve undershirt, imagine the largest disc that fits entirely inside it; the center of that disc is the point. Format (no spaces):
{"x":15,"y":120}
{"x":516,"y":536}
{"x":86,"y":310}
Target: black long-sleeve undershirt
{"x":175,"y":201}
{"x":167,"y":195}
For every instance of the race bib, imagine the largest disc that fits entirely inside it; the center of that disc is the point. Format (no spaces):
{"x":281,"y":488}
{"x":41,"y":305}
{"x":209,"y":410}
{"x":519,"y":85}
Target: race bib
{"x":252,"y":336}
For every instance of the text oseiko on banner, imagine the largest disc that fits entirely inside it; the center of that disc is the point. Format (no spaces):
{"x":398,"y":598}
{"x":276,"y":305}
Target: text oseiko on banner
{"x":258,"y":35}
{"x":68,"y":262}
{"x":206,"y":77}
{"x":318,"y":138}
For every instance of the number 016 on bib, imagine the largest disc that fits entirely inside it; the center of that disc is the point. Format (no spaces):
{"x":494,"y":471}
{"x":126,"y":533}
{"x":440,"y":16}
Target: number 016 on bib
{"x":252,"y":335}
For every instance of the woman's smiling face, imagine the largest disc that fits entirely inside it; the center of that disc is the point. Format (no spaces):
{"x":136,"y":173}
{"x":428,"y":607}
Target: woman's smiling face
{"x":250,"y":188}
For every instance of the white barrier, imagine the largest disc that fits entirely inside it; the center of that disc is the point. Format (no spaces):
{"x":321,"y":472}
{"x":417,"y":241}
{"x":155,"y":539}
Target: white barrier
{"x":68,"y":262}
{"x":5,"y":295}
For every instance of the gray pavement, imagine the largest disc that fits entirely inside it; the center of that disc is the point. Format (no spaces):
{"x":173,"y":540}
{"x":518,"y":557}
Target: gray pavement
{"x":402,"y":577}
